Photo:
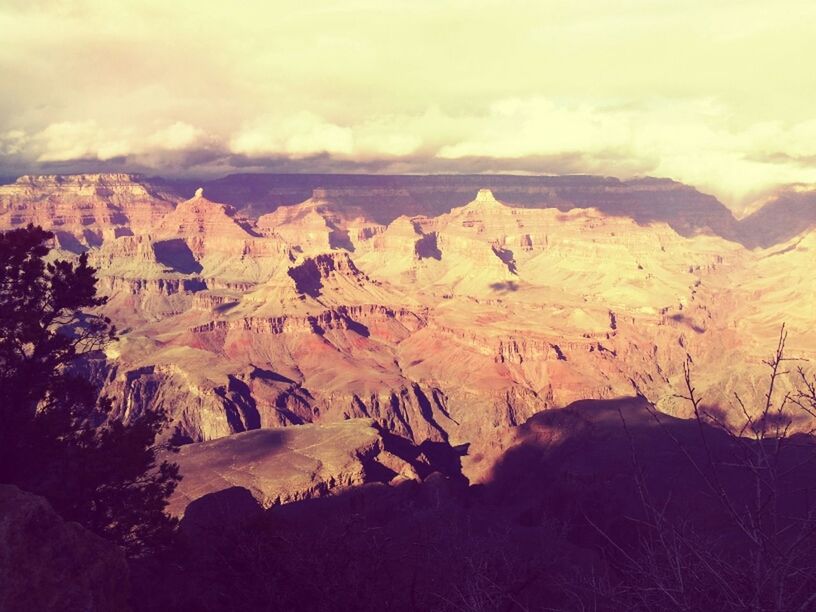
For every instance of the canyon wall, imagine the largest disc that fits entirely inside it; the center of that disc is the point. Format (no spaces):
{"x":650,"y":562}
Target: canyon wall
{"x":443,"y":311}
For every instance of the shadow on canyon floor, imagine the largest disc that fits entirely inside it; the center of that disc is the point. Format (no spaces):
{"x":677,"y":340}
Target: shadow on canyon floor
{"x":568,"y":501}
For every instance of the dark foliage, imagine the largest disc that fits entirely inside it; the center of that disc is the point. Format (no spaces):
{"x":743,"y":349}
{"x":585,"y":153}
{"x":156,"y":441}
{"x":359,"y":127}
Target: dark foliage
{"x":55,"y":438}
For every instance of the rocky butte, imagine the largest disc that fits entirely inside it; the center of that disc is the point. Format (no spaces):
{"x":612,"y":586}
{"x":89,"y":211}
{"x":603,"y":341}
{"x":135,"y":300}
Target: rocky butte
{"x":440,"y":312}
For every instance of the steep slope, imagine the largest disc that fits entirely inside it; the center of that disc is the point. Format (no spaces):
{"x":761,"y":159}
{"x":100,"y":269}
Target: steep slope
{"x":780,"y":287}
{"x":443,"y":328}
{"x":318,"y":224}
{"x":212,"y":240}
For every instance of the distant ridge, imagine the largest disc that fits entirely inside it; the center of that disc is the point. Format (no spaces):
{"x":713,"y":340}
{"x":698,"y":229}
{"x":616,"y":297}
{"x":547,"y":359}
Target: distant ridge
{"x":386,"y":197}
{"x":383,"y":198}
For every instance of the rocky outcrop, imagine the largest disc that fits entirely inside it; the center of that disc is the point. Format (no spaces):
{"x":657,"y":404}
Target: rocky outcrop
{"x":280,"y":465}
{"x":200,"y":217}
{"x":318,"y":225}
{"x":347,"y":318}
{"x":310,"y":274}
{"x":198,"y":407}
{"x":49,"y":565}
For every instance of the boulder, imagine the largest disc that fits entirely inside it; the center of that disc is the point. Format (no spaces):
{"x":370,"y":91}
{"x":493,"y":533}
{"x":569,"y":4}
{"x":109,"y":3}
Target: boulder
{"x":48,"y":564}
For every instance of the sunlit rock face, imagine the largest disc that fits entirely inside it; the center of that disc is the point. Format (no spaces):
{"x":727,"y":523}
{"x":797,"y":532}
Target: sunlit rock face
{"x":280,"y":465}
{"x":85,"y":209}
{"x":443,"y":323}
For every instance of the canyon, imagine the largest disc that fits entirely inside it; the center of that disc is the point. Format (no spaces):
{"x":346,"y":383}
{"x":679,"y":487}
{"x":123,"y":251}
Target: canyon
{"x":439,"y":311}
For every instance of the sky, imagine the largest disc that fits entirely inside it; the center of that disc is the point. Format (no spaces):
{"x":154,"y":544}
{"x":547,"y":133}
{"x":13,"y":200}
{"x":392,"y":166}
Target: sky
{"x":717,"y":94}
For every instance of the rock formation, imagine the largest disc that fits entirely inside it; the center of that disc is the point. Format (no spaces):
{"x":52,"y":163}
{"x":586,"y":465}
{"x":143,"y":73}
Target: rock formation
{"x":279,"y":465}
{"x":384,"y":198}
{"x":443,"y":309}
{"x":85,"y":209}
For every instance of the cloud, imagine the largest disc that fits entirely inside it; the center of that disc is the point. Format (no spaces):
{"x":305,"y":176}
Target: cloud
{"x":706,"y":91}
{"x":517,"y":127}
{"x":70,"y":140}
{"x":389,"y":136}
{"x":87,"y":140}
{"x":306,"y":134}
{"x":689,"y":140}
{"x":176,"y":137}
{"x":299,"y":135}
{"x":12,"y":142}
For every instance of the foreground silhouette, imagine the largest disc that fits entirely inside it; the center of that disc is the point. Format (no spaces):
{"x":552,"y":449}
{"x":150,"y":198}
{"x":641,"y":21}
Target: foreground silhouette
{"x":55,"y":439}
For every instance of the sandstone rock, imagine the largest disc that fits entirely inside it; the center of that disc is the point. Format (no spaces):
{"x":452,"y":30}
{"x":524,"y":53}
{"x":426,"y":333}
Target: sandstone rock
{"x":506,"y":313}
{"x":47,"y":564}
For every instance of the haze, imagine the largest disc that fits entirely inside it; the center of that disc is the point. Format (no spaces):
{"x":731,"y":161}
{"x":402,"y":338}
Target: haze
{"x":709,"y":93}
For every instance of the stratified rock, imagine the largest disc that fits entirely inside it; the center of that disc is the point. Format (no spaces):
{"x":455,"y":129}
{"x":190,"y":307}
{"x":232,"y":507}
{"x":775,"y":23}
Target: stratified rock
{"x":449,"y":328}
{"x":319,"y":224}
{"x":384,"y":198}
{"x":84,"y":209}
{"x":49,"y":565}
{"x":200,"y":217}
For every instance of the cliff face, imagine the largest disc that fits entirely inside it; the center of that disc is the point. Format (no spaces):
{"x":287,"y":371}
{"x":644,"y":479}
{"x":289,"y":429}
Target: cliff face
{"x":445,"y":327}
{"x":279,"y":465}
{"x":85,"y":209}
{"x":782,"y":218}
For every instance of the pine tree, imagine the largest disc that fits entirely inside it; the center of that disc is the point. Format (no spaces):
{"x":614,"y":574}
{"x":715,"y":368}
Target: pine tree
{"x":55,"y":436}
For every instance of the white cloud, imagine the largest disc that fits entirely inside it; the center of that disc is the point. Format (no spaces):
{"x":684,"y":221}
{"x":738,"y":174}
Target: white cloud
{"x":176,"y":137}
{"x":519,"y":128}
{"x":13,"y":142}
{"x":71,"y":140}
{"x":299,"y":135}
{"x":688,"y":140}
{"x":305,"y":134}
{"x":83,"y":140}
